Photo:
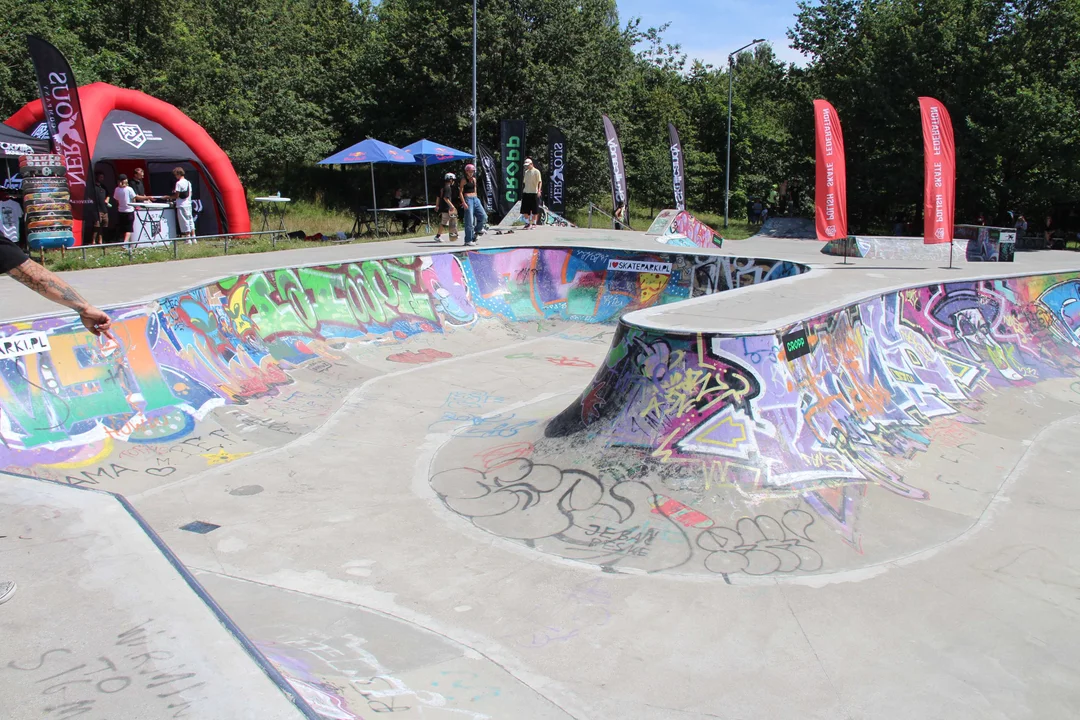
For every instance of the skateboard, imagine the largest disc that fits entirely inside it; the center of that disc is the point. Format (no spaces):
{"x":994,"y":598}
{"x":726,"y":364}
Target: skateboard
{"x":41,"y":171}
{"x":50,"y":224}
{"x":51,"y":196}
{"x":501,"y":230}
{"x":46,"y":207}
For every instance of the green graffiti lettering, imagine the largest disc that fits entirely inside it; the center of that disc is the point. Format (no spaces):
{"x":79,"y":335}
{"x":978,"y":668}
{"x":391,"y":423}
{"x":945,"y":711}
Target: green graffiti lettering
{"x":269,"y":317}
{"x":94,"y":390}
{"x":291,"y":291}
{"x":364,"y":297}
{"x":32,"y":415}
{"x":412,"y":298}
{"x":381,"y":289}
{"x":329,"y":291}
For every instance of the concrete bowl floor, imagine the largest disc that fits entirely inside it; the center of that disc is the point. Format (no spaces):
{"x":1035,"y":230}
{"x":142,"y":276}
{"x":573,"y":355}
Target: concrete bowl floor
{"x":347,"y":550}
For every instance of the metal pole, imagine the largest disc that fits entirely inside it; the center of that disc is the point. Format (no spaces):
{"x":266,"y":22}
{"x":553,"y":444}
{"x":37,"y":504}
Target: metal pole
{"x":473,"y":79}
{"x":374,"y":202}
{"x":727,"y":167}
{"x":427,"y":213}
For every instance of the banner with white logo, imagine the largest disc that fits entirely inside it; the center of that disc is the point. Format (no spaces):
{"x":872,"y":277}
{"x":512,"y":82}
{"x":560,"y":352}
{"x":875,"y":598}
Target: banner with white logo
{"x":512,"y":149}
{"x":490,"y":178}
{"x":640,"y":266}
{"x":831,"y":190}
{"x":618,"y":174}
{"x":678,"y":168}
{"x":556,"y":185}
{"x":63,"y":113}
{"x":939,"y":183}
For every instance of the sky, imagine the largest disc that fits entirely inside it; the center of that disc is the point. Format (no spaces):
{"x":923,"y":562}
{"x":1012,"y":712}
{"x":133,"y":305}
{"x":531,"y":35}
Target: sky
{"x":710,"y":29}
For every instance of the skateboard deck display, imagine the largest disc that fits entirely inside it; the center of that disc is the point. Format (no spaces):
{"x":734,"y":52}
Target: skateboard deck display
{"x":46,"y":202}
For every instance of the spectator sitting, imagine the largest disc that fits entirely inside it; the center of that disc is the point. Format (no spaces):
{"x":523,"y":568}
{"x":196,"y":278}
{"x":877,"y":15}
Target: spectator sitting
{"x":410,"y":222}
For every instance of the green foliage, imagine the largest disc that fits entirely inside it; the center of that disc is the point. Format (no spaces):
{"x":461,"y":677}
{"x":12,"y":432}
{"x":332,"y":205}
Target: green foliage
{"x":282,"y":84}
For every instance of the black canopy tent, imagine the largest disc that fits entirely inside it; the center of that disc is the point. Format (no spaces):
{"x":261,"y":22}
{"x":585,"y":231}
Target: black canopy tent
{"x":13,"y":144}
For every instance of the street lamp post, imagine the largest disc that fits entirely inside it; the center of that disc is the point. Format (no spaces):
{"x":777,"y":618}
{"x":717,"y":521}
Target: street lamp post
{"x":727,"y":166}
{"x":474,"y":80}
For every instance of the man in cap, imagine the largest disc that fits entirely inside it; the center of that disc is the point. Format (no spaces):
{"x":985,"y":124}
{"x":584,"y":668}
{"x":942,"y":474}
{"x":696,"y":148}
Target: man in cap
{"x":530,"y":194}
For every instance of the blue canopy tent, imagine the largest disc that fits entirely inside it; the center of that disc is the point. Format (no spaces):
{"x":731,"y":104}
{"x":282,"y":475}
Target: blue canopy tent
{"x":430,"y":153}
{"x":370,"y":151}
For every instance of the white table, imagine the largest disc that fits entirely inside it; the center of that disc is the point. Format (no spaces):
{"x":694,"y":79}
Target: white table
{"x":410,"y":209}
{"x":154,"y":223}
{"x":273,"y":207}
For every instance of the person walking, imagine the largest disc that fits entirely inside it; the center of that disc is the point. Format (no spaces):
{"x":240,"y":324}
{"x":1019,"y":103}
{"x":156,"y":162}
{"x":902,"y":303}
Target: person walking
{"x":44,"y":282}
{"x":444,"y":205}
{"x":475,"y":216}
{"x":530,"y":194}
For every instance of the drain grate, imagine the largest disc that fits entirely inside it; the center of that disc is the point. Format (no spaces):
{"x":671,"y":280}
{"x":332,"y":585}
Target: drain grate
{"x":200,"y":527}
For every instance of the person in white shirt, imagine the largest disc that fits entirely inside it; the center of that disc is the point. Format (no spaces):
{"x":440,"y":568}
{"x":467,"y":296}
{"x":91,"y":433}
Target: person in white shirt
{"x":124,"y":195}
{"x":182,"y":196}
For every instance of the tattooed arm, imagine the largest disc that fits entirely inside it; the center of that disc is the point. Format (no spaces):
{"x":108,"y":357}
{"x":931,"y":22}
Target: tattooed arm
{"x":47,"y":284}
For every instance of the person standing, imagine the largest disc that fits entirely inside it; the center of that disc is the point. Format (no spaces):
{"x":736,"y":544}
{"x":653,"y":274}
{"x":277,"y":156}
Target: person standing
{"x":444,"y":205}
{"x":181,"y":195}
{"x":136,"y":182}
{"x":101,"y":204}
{"x":530,"y":194}
{"x":44,"y":282}
{"x":124,"y":195}
{"x":475,"y":216}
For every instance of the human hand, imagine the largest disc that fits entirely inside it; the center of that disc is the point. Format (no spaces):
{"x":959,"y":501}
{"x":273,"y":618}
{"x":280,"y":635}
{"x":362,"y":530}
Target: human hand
{"x":96,"y":321}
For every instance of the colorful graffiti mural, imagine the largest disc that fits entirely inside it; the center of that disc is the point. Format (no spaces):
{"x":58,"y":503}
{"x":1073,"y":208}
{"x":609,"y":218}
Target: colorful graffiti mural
{"x":789,"y":449}
{"x":82,"y":411}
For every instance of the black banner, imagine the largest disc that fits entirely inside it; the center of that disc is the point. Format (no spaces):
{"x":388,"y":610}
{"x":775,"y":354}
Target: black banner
{"x":512,"y":150}
{"x":678,"y":168}
{"x":490,"y":178}
{"x":615,"y":164}
{"x":556,"y":184}
{"x":63,"y":114}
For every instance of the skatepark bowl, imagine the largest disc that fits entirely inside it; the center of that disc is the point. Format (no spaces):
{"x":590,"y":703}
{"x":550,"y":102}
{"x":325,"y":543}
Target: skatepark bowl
{"x":562,"y":478}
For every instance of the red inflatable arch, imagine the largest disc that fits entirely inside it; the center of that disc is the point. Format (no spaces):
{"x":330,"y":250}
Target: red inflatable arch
{"x":100,"y":99}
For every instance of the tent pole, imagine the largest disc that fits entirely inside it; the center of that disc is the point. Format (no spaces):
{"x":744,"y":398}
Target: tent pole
{"x":426,"y":201}
{"x":374,"y":202}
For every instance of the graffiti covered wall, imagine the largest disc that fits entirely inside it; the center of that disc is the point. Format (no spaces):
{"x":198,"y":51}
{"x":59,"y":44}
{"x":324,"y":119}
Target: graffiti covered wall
{"x":88,"y":410}
{"x":711,"y":454}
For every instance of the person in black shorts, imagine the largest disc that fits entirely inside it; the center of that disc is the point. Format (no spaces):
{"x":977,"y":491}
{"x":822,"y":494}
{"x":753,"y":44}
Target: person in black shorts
{"x":101,"y":205}
{"x":531,"y":186}
{"x":44,"y":282}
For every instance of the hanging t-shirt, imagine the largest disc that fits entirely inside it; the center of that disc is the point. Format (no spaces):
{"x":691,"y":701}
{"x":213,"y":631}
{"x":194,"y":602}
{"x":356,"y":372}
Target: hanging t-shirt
{"x":183,"y":193}
{"x":10,"y":212}
{"x":124,"y":196}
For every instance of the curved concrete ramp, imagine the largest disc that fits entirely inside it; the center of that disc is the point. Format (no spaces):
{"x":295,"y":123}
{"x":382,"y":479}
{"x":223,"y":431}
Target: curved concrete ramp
{"x":711,"y":455}
{"x":881,"y":528}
